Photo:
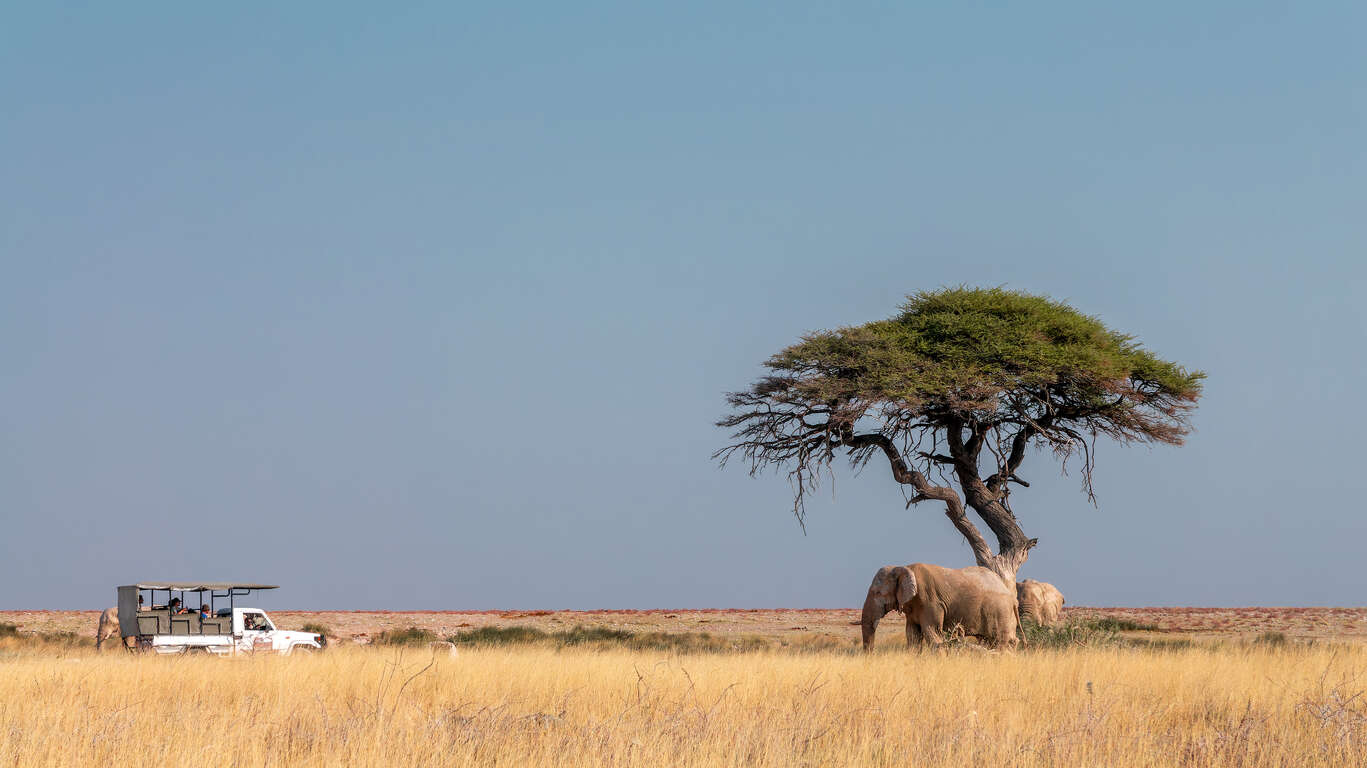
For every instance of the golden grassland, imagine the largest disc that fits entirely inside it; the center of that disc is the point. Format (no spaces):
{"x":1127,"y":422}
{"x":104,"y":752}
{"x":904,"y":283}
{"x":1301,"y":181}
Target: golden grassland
{"x":1230,"y":705}
{"x":1323,"y":623}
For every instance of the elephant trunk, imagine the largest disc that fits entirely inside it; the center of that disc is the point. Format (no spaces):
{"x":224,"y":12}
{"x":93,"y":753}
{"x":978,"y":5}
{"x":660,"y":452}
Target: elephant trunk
{"x":868,"y":623}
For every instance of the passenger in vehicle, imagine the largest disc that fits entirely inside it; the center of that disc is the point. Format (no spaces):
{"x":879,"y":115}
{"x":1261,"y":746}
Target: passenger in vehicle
{"x":175,"y":606}
{"x":204,"y":611}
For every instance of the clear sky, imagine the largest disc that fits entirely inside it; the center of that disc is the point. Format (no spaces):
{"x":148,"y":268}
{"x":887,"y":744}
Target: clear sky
{"x":434,"y":305}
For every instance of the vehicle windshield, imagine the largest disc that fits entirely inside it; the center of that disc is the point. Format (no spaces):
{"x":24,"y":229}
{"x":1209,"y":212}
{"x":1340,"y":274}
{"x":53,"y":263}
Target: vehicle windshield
{"x":256,"y":621}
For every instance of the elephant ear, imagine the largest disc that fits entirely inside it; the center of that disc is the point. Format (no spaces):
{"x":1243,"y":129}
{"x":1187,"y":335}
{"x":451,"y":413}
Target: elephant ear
{"x":906,"y":585}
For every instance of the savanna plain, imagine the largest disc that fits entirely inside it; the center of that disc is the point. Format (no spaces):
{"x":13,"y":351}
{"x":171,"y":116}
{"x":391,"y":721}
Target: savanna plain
{"x":1185,"y":687}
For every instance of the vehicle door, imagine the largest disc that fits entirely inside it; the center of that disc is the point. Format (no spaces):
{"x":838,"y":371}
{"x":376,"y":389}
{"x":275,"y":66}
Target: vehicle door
{"x":258,"y":633}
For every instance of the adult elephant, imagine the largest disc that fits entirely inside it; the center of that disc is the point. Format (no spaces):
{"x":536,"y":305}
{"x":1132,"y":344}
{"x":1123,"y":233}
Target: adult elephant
{"x":936,"y":599}
{"x":1040,"y":601}
{"x":109,"y":627}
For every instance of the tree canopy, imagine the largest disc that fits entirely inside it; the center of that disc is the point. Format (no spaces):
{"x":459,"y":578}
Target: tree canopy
{"x":957,"y":372}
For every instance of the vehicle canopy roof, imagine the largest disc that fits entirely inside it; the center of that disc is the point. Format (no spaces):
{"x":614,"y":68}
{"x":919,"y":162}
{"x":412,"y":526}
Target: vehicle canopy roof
{"x":128,"y":596}
{"x":199,"y":586}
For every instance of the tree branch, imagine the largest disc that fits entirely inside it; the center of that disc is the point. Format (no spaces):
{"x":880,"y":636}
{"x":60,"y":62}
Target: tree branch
{"x":939,"y":458}
{"x":1007,"y":470}
{"x":925,"y":491}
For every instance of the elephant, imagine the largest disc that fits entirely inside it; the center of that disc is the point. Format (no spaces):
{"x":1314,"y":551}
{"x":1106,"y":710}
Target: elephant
{"x":936,"y":599}
{"x":109,"y":627}
{"x":1040,"y":601}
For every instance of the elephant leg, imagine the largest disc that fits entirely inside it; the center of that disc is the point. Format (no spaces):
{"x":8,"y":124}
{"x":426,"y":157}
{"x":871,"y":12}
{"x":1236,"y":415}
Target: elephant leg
{"x":914,"y":637}
{"x":931,"y":622}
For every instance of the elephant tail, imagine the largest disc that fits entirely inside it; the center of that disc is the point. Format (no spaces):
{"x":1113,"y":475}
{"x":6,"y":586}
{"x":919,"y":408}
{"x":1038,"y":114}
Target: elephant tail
{"x":1020,"y":628}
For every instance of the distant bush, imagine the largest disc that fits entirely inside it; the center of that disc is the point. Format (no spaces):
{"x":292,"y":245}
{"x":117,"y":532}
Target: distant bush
{"x":410,"y":636}
{"x":695,"y":642}
{"x":1098,"y":633}
{"x":1272,"y":640}
{"x":1074,"y":634}
{"x":1091,"y":633}
{"x":608,"y":637}
{"x":317,"y":629}
{"x":1167,"y":643}
{"x":13,"y":638}
{"x":498,"y":636}
{"x":581,"y":635}
{"x":821,"y":643}
{"x":11,"y":633}
{"x":1121,"y":625}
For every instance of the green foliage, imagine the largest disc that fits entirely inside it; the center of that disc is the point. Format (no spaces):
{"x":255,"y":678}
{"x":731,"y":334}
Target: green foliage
{"x":317,"y":629}
{"x":969,"y":351}
{"x":8,"y":630}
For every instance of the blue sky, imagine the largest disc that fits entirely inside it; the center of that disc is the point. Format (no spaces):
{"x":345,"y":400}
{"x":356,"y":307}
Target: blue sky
{"x":434,"y":306}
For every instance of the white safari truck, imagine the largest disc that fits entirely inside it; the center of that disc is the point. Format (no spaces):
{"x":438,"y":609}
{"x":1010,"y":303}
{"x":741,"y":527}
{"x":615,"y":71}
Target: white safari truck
{"x":156,"y":617}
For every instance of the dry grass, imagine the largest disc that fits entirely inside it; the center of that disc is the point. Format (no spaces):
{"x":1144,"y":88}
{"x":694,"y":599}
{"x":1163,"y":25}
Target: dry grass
{"x":776,"y":625}
{"x":1234,"y":705}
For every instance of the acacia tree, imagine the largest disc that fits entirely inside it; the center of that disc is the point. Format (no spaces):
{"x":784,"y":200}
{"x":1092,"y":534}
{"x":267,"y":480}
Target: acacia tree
{"x":952,"y":392}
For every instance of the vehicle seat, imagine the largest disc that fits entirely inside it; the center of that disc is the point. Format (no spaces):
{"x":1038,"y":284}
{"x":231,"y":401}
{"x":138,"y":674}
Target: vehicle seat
{"x":156,"y":622}
{"x":185,"y":624}
{"x":217,"y":626}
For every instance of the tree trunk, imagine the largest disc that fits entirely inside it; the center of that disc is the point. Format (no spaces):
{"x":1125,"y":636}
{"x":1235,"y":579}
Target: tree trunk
{"x":1007,"y":564}
{"x":1013,"y":546}
{"x":986,"y":499}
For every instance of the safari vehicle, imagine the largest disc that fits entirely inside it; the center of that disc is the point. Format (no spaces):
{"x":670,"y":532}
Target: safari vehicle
{"x":225,"y":630}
